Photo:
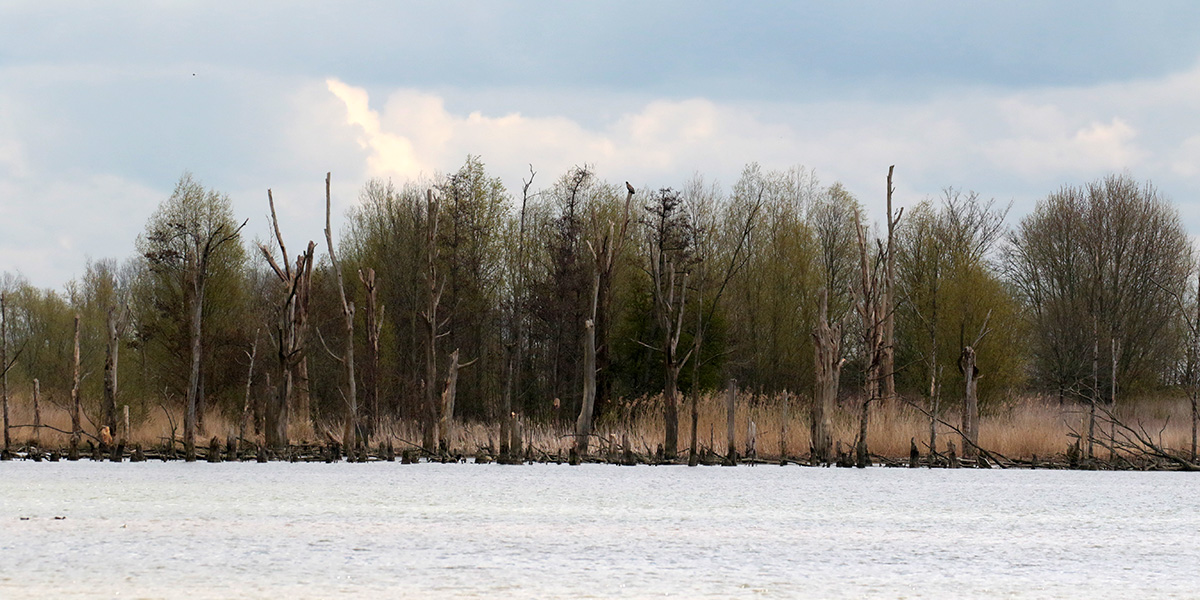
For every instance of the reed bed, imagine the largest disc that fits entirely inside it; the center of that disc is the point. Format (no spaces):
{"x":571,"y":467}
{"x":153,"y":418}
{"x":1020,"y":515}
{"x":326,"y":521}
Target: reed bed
{"x":1024,"y":427}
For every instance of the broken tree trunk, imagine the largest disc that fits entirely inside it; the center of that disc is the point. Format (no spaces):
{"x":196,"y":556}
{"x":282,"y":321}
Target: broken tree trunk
{"x":76,"y":409}
{"x":237,"y":444}
{"x":583,"y":425}
{"x":351,"y":439}
{"x":109,"y":412}
{"x":827,"y":342}
{"x":291,"y":335}
{"x":429,"y":435}
{"x":730,"y":416}
{"x":4,"y":374}
{"x":37,"y":413}
{"x":888,"y":354}
{"x":370,"y":375}
{"x":448,"y":396}
{"x":970,"y":417}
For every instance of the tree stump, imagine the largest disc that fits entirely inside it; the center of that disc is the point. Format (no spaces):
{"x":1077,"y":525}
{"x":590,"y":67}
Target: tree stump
{"x":214,"y":450}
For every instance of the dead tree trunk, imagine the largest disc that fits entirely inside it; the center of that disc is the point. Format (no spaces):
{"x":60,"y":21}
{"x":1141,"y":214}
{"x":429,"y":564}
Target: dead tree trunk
{"x":445,"y":425}
{"x":783,"y":431}
{"x":970,"y":417}
{"x":730,"y":418}
{"x":888,"y":358}
{"x":869,"y":308}
{"x":827,"y":356}
{"x":4,"y":374}
{"x":110,"y":373}
{"x":193,"y":391}
{"x":434,"y":296}
{"x":76,"y":409}
{"x":583,"y":425}
{"x":604,"y":255}
{"x":352,"y":437}
{"x":241,"y":435}
{"x":374,"y":323}
{"x":971,"y":376}
{"x":37,"y":414}
{"x":291,"y":336}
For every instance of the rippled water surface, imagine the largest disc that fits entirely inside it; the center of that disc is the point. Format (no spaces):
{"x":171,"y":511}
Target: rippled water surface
{"x":249,"y":530}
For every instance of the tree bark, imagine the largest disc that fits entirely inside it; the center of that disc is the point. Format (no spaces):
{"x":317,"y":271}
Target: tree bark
{"x":76,"y":409}
{"x":970,"y":425}
{"x":730,"y":422}
{"x":37,"y":413}
{"x":583,"y":425}
{"x":237,"y":445}
{"x":352,"y":437}
{"x":110,"y":372}
{"x":193,"y":391}
{"x":429,"y":435}
{"x":888,"y":362}
{"x":827,"y":356}
{"x":445,"y":426}
{"x":371,"y":372}
{"x":4,"y":374}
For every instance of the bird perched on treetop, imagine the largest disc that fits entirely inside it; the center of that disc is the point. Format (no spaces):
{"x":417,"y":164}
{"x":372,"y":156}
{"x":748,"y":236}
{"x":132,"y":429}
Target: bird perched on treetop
{"x":629,"y":187}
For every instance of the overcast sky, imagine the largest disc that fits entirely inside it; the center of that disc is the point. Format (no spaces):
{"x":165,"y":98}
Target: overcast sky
{"x":104,"y":105}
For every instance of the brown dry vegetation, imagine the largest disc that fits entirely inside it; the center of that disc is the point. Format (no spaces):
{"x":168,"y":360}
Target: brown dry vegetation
{"x":1027,"y":426}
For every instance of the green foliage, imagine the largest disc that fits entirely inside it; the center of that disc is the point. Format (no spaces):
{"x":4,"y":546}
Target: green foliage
{"x":947,"y":293}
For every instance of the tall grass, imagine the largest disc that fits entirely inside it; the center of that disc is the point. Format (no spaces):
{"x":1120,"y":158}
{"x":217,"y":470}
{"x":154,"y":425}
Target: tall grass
{"x":1030,"y":425}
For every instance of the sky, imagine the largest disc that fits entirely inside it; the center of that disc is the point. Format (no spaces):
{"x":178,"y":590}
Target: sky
{"x":103,"y":106}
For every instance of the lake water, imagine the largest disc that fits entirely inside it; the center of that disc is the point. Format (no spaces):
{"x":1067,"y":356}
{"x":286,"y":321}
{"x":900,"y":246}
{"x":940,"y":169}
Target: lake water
{"x":385,"y":530}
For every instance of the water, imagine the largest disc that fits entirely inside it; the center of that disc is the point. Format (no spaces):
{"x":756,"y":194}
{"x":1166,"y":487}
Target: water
{"x":384,"y":530}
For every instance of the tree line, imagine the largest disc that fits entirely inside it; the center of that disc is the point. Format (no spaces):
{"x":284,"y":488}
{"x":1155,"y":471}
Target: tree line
{"x":455,"y":299}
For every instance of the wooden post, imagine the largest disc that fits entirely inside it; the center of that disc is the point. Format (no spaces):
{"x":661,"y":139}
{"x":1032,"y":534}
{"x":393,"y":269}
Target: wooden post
{"x":730,"y":407}
{"x":783,"y":431}
{"x":37,"y":414}
{"x":127,"y":435}
{"x":751,"y":440}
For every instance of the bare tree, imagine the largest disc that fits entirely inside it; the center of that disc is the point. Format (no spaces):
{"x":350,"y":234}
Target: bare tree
{"x":291,"y":332}
{"x":971,"y":375}
{"x":669,"y":245}
{"x":76,"y":408}
{"x":374,"y":325}
{"x":873,"y":297}
{"x":184,"y":235}
{"x":827,"y":338}
{"x":604,"y":255}
{"x":351,"y":436}
{"x":434,"y":287}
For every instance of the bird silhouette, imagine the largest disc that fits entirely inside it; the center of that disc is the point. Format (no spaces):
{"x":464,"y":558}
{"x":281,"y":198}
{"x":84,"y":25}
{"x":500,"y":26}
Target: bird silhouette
{"x":629,"y":187}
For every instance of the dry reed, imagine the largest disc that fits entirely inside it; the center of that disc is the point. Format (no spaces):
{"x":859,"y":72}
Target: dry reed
{"x":1027,"y":426}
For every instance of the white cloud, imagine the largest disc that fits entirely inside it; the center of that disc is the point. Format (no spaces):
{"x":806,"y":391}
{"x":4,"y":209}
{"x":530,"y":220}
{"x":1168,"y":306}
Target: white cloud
{"x":1012,"y":145}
